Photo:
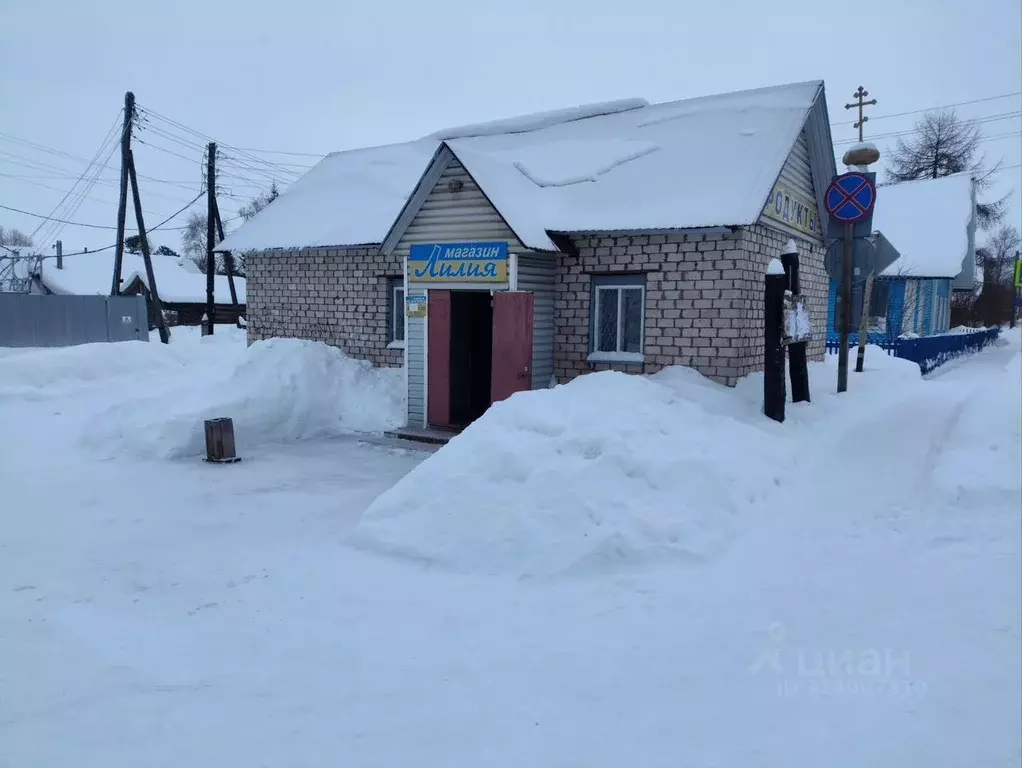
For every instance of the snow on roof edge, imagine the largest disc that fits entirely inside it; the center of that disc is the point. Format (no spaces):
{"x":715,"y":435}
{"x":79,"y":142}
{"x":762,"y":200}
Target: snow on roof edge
{"x":535,"y":121}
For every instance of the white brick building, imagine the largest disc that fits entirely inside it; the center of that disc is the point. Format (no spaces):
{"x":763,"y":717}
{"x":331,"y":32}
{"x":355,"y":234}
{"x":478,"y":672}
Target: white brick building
{"x":510,"y":255}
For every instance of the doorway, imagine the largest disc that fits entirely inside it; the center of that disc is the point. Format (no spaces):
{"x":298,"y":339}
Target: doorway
{"x":471,"y":355}
{"x":479,"y":351}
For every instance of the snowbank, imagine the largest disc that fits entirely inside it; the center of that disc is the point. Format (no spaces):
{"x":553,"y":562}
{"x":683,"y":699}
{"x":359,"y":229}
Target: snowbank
{"x":276,"y":390}
{"x":607,"y":470}
{"x":615,"y":470}
{"x":46,"y":372}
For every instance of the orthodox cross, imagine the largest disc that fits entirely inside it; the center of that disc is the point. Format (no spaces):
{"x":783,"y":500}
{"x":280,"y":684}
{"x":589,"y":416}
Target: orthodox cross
{"x":860,"y":102}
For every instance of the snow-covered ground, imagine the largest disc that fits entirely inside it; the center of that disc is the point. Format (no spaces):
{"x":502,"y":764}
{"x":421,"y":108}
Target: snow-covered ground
{"x":620,"y":571}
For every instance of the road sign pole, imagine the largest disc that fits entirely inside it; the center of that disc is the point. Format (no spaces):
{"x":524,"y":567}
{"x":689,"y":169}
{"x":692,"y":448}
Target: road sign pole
{"x":846,"y":310}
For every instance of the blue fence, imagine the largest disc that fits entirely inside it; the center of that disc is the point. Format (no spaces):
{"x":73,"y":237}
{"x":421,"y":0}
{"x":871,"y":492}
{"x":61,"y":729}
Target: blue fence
{"x":929,"y":352}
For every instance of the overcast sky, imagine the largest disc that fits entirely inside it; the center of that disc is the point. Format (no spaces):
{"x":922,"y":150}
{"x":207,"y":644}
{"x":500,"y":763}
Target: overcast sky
{"x":320,"y":76}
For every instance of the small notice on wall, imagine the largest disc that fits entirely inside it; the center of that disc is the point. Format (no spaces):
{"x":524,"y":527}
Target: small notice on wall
{"x":415,"y":306}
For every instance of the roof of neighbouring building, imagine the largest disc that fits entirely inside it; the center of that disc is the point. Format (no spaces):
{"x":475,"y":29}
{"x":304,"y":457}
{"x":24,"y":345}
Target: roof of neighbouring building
{"x":89,"y":274}
{"x":625,"y":165}
{"x":927,"y":221}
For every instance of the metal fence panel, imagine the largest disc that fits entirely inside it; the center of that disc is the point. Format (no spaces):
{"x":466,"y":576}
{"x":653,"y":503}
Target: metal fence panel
{"x":62,"y":321}
{"x":127,"y":320}
{"x":929,"y":352}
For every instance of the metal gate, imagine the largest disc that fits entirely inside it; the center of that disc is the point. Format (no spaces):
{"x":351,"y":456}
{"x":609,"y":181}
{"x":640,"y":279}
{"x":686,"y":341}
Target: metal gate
{"x":61,"y":321}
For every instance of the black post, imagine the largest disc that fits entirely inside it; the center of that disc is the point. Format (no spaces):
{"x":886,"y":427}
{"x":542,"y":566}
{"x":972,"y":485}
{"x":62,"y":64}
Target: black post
{"x":154,"y":295}
{"x":60,"y":254}
{"x":210,"y":224}
{"x":860,"y":356}
{"x":798,"y":365}
{"x":846,"y":309}
{"x":122,"y":200}
{"x":773,"y":360}
{"x":228,"y":256}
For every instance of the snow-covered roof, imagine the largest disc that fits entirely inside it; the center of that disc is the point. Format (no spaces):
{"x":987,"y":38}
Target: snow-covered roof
{"x":624,"y":165}
{"x":927,"y":221}
{"x":89,"y":274}
{"x":703,"y":162}
{"x":348,"y":198}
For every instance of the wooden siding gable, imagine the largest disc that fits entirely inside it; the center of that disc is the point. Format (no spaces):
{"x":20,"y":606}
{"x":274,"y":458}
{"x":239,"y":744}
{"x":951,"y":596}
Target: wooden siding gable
{"x":444,"y":214}
{"x":808,"y":169}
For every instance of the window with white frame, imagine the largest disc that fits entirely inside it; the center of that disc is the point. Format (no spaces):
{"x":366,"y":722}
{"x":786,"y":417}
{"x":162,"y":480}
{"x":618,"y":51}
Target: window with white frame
{"x":396,"y":310}
{"x":617,"y":322}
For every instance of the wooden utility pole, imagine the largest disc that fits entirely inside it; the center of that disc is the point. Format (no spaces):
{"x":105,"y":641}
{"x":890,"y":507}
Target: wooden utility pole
{"x":210,"y":241}
{"x":154,"y":295}
{"x":122,"y":201}
{"x":860,"y":357}
{"x":228,"y":256}
{"x":60,"y":254}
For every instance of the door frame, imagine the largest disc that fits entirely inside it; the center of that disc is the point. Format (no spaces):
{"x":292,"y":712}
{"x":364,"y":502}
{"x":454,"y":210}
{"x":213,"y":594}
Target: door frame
{"x":512,"y":285}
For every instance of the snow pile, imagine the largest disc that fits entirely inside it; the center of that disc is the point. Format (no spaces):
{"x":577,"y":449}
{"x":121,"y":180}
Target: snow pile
{"x":276,"y":390}
{"x":605,"y":471}
{"x":53,"y":372}
{"x":562,"y":163}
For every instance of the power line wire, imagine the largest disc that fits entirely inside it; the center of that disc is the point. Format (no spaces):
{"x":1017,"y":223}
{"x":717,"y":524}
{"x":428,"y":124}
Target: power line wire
{"x":932,"y":109}
{"x":977,"y":121}
{"x":86,"y":180}
{"x":52,"y":151}
{"x":283,"y":152}
{"x":106,"y":226}
{"x":181,"y":126}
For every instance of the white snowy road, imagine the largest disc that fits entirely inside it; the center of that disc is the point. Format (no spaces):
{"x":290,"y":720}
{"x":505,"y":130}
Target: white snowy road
{"x":168,"y":613}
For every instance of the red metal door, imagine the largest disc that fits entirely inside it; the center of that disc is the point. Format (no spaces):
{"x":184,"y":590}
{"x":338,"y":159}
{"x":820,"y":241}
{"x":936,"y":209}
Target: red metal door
{"x":438,"y":353}
{"x":511,"y":370}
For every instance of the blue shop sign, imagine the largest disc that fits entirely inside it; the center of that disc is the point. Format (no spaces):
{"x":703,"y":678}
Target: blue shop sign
{"x":458,"y":263}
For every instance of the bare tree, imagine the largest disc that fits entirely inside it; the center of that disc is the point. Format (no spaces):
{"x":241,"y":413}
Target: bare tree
{"x":193,"y":239}
{"x":999,"y":256}
{"x":15,"y":238}
{"x":995,"y":304}
{"x":942,"y":144}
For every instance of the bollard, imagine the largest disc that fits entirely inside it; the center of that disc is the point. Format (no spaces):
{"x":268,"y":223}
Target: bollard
{"x":773,"y":348}
{"x":220,"y":441}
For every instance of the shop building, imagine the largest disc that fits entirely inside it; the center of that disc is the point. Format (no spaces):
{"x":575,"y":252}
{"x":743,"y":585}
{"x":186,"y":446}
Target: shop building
{"x":512,"y":255}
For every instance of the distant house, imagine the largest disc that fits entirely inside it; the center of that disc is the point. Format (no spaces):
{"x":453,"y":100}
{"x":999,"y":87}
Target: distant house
{"x":182,"y":289}
{"x":925,"y":232}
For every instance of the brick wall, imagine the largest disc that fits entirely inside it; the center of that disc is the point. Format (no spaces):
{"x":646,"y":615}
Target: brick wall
{"x":762,"y":243}
{"x":335,"y":295}
{"x":704,"y":299}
